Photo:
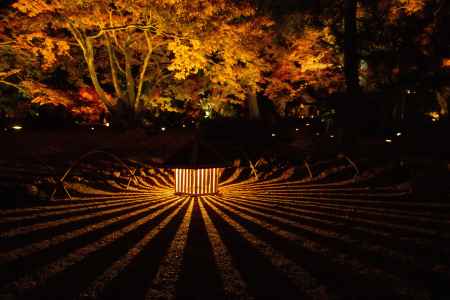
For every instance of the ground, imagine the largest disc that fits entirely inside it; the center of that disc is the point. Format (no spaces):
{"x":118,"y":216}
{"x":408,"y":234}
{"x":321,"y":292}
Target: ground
{"x":336,"y":227}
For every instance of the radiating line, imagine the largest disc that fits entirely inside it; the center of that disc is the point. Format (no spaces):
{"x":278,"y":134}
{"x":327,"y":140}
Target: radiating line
{"x":322,"y":194}
{"x":237,"y":172}
{"x":398,"y":213}
{"x":301,"y":181}
{"x":97,"y":286}
{"x":232,"y":281}
{"x":284,"y":191}
{"x":329,"y":234}
{"x":89,"y":201}
{"x":108,"y":204}
{"x":325,"y":199}
{"x":315,"y":247}
{"x":304,"y":281}
{"x":56,"y":240}
{"x":341,"y":207}
{"x":318,"y":210}
{"x":163,"y":285}
{"x":331,"y":223}
{"x":241,"y":202}
{"x":44,"y":273}
{"x":51,"y":224}
{"x":385,"y":224}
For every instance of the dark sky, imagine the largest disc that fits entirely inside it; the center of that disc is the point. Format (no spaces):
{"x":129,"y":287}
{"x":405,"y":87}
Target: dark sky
{"x":5,"y":3}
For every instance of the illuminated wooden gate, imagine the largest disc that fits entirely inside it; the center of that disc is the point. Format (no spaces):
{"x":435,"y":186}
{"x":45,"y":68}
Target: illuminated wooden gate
{"x":201,"y":181}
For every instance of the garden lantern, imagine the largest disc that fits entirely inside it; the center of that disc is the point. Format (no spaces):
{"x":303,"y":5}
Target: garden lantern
{"x":197,"y":168}
{"x":196,"y":181}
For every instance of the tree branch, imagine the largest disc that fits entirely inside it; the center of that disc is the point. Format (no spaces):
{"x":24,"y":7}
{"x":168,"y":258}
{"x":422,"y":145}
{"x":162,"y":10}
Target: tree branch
{"x":10,"y":73}
{"x":121,"y":28}
{"x":13,"y":85}
{"x":7,"y":43}
{"x":93,"y":74}
{"x":116,"y":41}
{"x":113,"y":64}
{"x":129,"y":76}
{"x":143,"y":70}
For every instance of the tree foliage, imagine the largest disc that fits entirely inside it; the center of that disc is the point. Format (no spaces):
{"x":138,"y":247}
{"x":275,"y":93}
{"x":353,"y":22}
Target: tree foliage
{"x":143,"y":51}
{"x":196,"y":56}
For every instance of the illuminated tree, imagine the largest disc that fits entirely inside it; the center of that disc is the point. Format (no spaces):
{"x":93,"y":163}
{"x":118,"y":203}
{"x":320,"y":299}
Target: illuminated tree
{"x":141,"y":52}
{"x":306,"y":58}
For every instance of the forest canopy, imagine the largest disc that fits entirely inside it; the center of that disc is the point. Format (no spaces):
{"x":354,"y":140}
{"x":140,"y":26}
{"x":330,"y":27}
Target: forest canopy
{"x":130,"y":59}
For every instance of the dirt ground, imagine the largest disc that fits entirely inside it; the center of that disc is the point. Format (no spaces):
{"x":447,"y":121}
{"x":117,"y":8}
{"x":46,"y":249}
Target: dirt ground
{"x":335,"y":227}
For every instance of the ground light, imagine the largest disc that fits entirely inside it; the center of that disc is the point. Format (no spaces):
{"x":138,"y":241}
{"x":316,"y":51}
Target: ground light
{"x":17,"y":127}
{"x":197,"y":168}
{"x":197,"y":181}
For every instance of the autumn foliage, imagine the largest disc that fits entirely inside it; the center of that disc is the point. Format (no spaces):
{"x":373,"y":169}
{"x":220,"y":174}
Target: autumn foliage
{"x":147,"y":56}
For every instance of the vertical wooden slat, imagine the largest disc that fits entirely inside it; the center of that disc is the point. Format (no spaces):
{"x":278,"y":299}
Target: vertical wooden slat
{"x":177,"y":180}
{"x":196,"y":181}
{"x":202,"y":183}
{"x":188,"y":182}
{"x":185,"y":183}
{"x":213,"y":185}
{"x":180,"y":179}
{"x":191,"y":186}
{"x":197,"y":176}
{"x":209,"y":180}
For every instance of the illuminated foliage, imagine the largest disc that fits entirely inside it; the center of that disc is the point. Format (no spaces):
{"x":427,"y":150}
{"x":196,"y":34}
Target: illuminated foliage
{"x":307,"y":58}
{"x":146,"y":49}
{"x":398,"y":8}
{"x":201,"y":56}
{"x":85,"y":106}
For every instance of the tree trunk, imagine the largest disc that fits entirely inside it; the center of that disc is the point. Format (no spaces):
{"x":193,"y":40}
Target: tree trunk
{"x":130,"y":80}
{"x":113,"y":66}
{"x":253,"y":108}
{"x":348,"y":121}
{"x":89,"y":57}
{"x":351,"y":61}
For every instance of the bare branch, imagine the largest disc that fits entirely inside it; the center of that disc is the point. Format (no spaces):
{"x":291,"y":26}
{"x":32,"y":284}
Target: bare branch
{"x":113,"y":64}
{"x":7,"y":43}
{"x":143,"y":70}
{"x":122,"y":28}
{"x":13,"y":85}
{"x":129,"y":75}
{"x":10,"y":73}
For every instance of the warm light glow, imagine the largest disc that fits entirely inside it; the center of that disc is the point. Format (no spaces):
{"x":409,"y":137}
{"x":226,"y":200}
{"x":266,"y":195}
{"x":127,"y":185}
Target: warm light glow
{"x":434,"y":115}
{"x":17,"y":127}
{"x":196,"y":181}
{"x":446,"y":62}
{"x":388,"y":141}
